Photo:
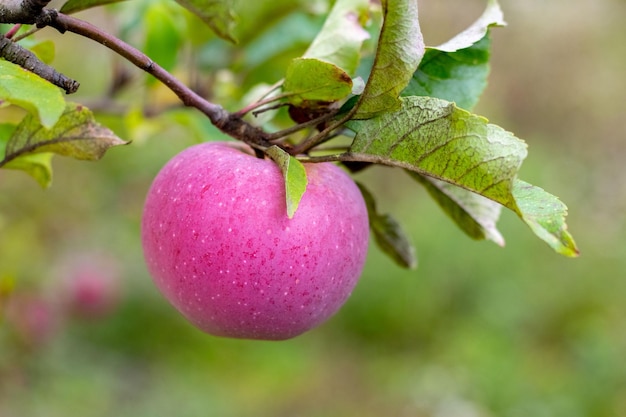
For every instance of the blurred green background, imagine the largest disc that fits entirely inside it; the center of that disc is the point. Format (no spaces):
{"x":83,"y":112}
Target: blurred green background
{"x":475,"y":331}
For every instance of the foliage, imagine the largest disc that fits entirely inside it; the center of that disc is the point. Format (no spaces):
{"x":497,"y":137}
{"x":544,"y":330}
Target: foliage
{"x":413,"y":111}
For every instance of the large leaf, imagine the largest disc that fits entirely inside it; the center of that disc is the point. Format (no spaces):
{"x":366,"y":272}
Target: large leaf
{"x":294,"y":175}
{"x":29,"y":91}
{"x":435,"y":138}
{"x":217,"y":14}
{"x":339,"y":42}
{"x":76,"y":134}
{"x":388,"y":233}
{"x":474,"y":214}
{"x":312,"y":80}
{"x":73,"y":6}
{"x":400,"y":49}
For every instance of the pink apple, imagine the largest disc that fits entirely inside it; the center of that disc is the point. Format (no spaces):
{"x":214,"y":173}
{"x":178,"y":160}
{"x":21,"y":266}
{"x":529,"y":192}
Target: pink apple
{"x":220,"y":247}
{"x":91,"y":285}
{"x":33,"y":318}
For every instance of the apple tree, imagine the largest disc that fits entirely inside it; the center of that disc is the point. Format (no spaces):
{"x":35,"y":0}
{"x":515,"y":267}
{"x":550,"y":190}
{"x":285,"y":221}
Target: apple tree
{"x":359,"y":88}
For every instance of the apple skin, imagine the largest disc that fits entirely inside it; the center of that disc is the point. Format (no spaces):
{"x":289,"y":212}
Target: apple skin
{"x":220,"y":247}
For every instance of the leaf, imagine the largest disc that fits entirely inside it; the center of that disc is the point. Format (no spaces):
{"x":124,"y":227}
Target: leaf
{"x":32,"y":93}
{"x":339,"y":42}
{"x":312,"y":80}
{"x":435,"y":138}
{"x":457,"y":70}
{"x":73,"y":6}
{"x":388,"y":234}
{"x":459,"y":76}
{"x":76,"y":135}
{"x":492,"y":16}
{"x":217,"y":14}
{"x":38,"y":166}
{"x":293,"y":32}
{"x":295,"y":177}
{"x":400,"y":49}
{"x":473,"y":213}
{"x":545,"y":215}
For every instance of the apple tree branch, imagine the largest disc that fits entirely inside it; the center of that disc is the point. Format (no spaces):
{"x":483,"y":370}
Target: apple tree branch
{"x":34,"y":12}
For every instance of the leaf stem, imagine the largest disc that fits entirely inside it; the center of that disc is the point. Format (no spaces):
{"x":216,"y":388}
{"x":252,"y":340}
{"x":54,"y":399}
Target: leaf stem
{"x":314,"y":140}
{"x":257,"y":104}
{"x":281,"y":134}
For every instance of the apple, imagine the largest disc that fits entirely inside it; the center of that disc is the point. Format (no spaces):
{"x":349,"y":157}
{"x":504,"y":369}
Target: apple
{"x":220,"y":247}
{"x":91,"y":285}
{"x":33,"y":319}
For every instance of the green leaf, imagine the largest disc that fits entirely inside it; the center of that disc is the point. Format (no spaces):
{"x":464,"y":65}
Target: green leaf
{"x":545,"y":215}
{"x":217,"y":14}
{"x":492,"y":16}
{"x":76,"y":135}
{"x":32,"y":93}
{"x":388,"y":234}
{"x":312,"y":80}
{"x":435,"y":138}
{"x":400,"y":49}
{"x":473,"y":213}
{"x":38,"y":166}
{"x":291,"y":33}
{"x":162,"y":39}
{"x":457,"y":70}
{"x":73,"y":6}
{"x":459,"y":76}
{"x":295,"y":177}
{"x":339,"y":42}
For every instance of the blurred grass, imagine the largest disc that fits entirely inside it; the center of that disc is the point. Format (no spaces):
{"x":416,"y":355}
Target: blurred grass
{"x":477,"y":330}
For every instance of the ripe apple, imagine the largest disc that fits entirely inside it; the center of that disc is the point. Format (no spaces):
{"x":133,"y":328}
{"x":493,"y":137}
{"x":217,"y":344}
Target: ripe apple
{"x":220,"y":247}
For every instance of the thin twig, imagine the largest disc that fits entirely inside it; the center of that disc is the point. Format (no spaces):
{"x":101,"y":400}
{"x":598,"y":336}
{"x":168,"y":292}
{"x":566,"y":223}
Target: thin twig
{"x":293,"y":129}
{"x":26,"y":34}
{"x":311,"y":142}
{"x":259,"y":103}
{"x":270,"y":108}
{"x":11,"y":33}
{"x":21,"y":56}
{"x":230,"y":124}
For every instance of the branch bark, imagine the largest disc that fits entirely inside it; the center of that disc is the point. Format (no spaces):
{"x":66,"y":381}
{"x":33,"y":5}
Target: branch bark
{"x":30,"y":12}
{"x":23,"y":11}
{"x":16,"y":54}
